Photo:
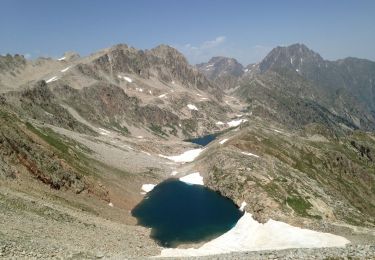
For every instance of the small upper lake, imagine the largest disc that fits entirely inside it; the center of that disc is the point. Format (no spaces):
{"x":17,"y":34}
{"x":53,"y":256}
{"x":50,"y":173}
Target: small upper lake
{"x":181,"y":213}
{"x":203,"y":140}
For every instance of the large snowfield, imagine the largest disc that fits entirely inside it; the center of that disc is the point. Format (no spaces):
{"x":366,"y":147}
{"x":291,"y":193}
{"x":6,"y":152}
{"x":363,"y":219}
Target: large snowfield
{"x":250,"y":235}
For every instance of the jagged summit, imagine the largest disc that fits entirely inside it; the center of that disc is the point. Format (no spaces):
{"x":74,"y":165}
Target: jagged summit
{"x":223,"y":71}
{"x":9,"y":62}
{"x":69,"y":56}
{"x":295,"y":56}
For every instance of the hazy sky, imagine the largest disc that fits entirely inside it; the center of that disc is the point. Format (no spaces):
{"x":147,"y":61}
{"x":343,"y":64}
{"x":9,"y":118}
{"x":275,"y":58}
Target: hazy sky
{"x":246,"y":30}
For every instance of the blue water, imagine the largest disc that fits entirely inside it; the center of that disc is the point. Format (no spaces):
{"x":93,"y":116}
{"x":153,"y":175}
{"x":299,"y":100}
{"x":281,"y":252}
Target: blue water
{"x":181,"y":213}
{"x":203,"y":140}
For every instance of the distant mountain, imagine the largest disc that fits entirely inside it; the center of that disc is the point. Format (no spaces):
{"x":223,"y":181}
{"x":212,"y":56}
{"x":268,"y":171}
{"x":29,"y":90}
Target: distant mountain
{"x":223,"y":71}
{"x":344,"y":88}
{"x":352,"y":74}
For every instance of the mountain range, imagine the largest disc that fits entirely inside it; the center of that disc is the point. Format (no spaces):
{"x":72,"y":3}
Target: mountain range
{"x":79,"y":136}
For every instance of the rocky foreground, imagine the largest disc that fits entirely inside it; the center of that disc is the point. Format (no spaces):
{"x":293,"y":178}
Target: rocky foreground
{"x":349,"y":252}
{"x":12,"y":250}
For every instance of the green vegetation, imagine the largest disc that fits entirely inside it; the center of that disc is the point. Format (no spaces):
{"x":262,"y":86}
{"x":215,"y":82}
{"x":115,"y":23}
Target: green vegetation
{"x":121,"y":129}
{"x":49,"y":138}
{"x":66,"y":149}
{"x":158,"y":130}
{"x":299,"y":205}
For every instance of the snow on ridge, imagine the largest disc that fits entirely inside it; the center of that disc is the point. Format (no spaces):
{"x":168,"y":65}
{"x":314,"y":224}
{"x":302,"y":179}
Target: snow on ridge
{"x":62,"y":58}
{"x":185,"y":157}
{"x":209,"y":65}
{"x":103,"y":131}
{"x":148,"y":187}
{"x":66,"y":69}
{"x":52,"y":79}
{"x":193,"y":178}
{"x":236,"y":122}
{"x":223,"y":141}
{"x":250,"y":154}
{"x":250,"y":235}
{"x":192,"y":107}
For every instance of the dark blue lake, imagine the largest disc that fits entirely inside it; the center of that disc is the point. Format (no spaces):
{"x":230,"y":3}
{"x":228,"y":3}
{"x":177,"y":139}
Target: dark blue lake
{"x":181,"y":213}
{"x":203,"y":140}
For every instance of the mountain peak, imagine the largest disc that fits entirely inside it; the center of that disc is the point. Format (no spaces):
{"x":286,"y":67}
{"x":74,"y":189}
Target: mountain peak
{"x":293,"y":56}
{"x":223,"y":71}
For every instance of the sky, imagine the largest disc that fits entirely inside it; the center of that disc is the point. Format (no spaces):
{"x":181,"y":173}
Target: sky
{"x":244,"y":29}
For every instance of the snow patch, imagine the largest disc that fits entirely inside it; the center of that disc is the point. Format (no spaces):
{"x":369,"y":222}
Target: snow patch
{"x":239,"y":115}
{"x":250,"y":154}
{"x":250,"y":235}
{"x":236,"y":122}
{"x":174,"y":173}
{"x":210,"y":65}
{"x":110,"y":204}
{"x":243,"y":205}
{"x":125,"y":78}
{"x":187,"y":156}
{"x":52,"y":79}
{"x":66,"y":69}
{"x":220,"y":123}
{"x":62,"y":58}
{"x":192,"y":107}
{"x":223,"y":141}
{"x":194,"y":178}
{"x":148,"y":187}
{"x":128,"y":79}
{"x":104,"y":132}
{"x":297,"y":70}
{"x":163,"y":95}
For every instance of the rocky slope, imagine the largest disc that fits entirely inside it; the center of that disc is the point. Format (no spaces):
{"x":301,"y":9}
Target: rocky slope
{"x":309,"y":174}
{"x":120,"y":88}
